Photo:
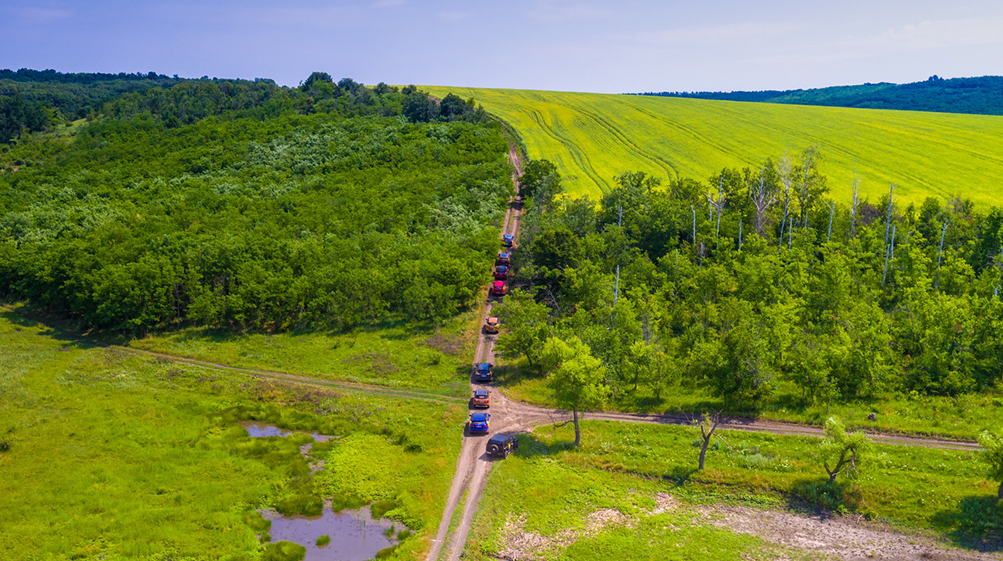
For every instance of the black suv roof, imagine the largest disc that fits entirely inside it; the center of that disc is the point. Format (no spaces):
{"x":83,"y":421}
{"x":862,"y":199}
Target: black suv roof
{"x":501,"y":438}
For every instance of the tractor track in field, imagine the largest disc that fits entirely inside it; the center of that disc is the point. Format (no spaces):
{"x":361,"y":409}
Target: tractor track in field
{"x":296,"y":378}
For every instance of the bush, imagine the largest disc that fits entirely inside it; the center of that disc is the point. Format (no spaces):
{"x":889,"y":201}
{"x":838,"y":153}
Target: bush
{"x":258,"y":523}
{"x":300,"y":504}
{"x":380,"y":508}
{"x":283,"y":551}
{"x":323,"y":540}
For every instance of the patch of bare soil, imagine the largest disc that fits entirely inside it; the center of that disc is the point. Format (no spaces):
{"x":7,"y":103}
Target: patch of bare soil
{"x":522,"y":545}
{"x":843,"y":538}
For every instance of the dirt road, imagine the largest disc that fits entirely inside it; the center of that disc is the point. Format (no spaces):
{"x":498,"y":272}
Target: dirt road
{"x":474,"y":463}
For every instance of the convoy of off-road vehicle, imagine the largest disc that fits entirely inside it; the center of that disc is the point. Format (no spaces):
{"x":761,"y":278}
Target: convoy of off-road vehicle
{"x":499,"y":445}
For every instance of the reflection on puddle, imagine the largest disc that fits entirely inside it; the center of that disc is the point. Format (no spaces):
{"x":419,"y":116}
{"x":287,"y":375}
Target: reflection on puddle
{"x":261,"y":429}
{"x":355,"y":536}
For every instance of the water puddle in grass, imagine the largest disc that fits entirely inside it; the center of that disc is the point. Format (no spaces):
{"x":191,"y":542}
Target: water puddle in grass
{"x":355,"y":535}
{"x":260,"y":429}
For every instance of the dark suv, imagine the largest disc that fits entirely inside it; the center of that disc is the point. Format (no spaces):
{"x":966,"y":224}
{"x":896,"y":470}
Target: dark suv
{"x":482,"y":372}
{"x":502,"y":445}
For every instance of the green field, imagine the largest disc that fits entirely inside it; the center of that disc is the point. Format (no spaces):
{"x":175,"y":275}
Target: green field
{"x":108,"y":455}
{"x":550,"y":491}
{"x":593,"y":138}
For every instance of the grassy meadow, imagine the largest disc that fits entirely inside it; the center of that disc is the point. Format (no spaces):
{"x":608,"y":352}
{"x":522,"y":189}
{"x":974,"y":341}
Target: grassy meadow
{"x":593,"y":138}
{"x":551,"y":490}
{"x":392,"y":354}
{"x":108,"y":455}
{"x":962,"y":417}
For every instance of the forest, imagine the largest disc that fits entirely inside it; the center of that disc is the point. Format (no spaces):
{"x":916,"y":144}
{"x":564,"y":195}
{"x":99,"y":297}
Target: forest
{"x":757,"y":287}
{"x":247,"y":206}
{"x":978,"y":96}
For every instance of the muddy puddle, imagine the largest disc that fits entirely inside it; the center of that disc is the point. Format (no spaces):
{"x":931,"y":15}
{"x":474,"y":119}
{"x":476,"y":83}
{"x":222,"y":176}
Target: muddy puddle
{"x":259,"y":429}
{"x":355,"y":535}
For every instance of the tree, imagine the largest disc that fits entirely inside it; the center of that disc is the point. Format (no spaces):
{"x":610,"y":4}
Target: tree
{"x":992,"y":455}
{"x":762,"y":190}
{"x":533,"y":174}
{"x":707,"y":427}
{"x":842,"y":450}
{"x":575,"y":376}
{"x":525,"y":323}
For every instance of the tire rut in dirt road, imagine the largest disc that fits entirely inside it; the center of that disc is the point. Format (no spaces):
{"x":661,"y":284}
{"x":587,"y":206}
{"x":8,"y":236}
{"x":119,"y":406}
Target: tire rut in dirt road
{"x":473,"y":465}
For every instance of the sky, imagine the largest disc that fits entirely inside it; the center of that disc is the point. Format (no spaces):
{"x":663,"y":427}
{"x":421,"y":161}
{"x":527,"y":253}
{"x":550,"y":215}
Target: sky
{"x":566,"y":45}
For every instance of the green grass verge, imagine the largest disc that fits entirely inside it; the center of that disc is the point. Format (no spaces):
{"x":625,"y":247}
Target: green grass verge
{"x":553,"y":498}
{"x":963,"y":417}
{"x":393,"y":354}
{"x":549,"y":489}
{"x":113,"y":456}
{"x":593,"y":138}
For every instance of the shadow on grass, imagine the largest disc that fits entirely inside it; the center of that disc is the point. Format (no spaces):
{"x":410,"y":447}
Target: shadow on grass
{"x":821,"y":497}
{"x":976,"y":524}
{"x":25,"y":317}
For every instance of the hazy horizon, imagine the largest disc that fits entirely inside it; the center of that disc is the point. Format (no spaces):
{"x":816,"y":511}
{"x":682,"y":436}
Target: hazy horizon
{"x":587,"y":45}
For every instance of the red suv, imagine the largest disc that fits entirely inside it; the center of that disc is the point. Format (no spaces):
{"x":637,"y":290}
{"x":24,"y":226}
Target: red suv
{"x":498,"y":288}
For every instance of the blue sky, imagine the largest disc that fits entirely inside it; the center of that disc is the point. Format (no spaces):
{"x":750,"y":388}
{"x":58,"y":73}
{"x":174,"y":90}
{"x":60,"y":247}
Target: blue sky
{"x":583,"y":45}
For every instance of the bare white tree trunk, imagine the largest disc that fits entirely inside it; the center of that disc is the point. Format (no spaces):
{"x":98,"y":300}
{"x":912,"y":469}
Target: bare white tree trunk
{"x":943,"y":231}
{"x":856,"y":202}
{"x":762,"y":198}
{"x":832,"y":210}
{"x":785,"y":169}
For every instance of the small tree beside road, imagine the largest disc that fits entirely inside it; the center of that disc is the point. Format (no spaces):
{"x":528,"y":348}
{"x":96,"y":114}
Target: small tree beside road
{"x":992,"y":455}
{"x":575,"y":376}
{"x":842,"y":450}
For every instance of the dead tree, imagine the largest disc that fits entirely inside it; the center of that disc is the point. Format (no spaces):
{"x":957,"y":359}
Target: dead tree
{"x":856,"y":203}
{"x":707,"y":427}
{"x":888,"y":221}
{"x":785,"y":170}
{"x":719,"y":206}
{"x":943,"y":232}
{"x":762,"y":195}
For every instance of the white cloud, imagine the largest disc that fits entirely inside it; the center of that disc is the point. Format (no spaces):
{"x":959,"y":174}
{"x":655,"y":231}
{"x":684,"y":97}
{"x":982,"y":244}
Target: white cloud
{"x":551,"y":12}
{"x":720,"y":33}
{"x":822,"y":58}
{"x":454,"y":16}
{"x":934,"y":34}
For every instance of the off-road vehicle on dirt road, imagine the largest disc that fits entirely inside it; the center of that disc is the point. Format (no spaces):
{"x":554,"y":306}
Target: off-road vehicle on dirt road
{"x":481,"y":398}
{"x":479,"y":423}
{"x":498,"y":288}
{"x":482,"y":371}
{"x":502,"y":445}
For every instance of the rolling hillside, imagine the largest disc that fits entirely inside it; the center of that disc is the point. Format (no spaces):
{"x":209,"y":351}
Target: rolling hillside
{"x":594,"y":137}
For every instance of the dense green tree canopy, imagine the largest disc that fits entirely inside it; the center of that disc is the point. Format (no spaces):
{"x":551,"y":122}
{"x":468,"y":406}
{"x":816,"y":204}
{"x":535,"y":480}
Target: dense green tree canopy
{"x":239,"y":205}
{"x":755,"y":280}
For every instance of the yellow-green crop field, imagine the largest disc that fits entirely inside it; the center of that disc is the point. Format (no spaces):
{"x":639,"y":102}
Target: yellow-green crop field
{"x":592,"y":138}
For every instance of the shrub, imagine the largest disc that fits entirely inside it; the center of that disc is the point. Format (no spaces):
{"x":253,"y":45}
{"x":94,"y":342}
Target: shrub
{"x":381,"y":507}
{"x":284,"y":551}
{"x":323,"y":540}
